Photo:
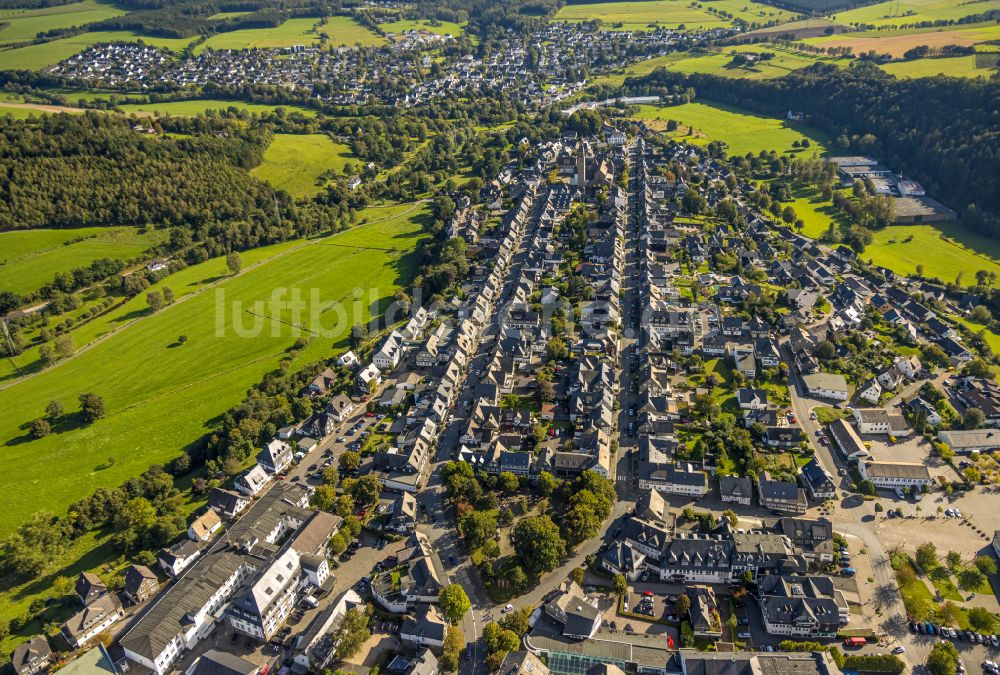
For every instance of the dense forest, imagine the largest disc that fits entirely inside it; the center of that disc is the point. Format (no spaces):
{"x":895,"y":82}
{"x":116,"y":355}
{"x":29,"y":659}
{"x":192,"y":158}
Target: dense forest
{"x":943,"y":132}
{"x":94,"y":169}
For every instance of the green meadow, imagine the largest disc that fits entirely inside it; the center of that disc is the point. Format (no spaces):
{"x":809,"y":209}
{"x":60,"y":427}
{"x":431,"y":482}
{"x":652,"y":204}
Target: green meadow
{"x":442,"y":27}
{"x":639,"y":15}
{"x":344,"y":31}
{"x":194,"y":107}
{"x":668,"y":13}
{"x":26,"y":24}
{"x":943,"y":249}
{"x":30,"y":258}
{"x":293,"y":162}
{"x":19,"y":113}
{"x":912,"y":11}
{"x":782,"y":63}
{"x":161,"y":395}
{"x":341,"y":30}
{"x":742,"y":130}
{"x":955,"y":66}
{"x":227,"y":15}
{"x":37,"y":57}
{"x":897,"y":41}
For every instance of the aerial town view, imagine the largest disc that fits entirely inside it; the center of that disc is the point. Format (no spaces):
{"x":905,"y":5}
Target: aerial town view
{"x":517,"y":337}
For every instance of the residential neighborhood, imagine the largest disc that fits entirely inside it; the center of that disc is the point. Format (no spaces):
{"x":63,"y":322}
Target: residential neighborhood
{"x":638,"y":439}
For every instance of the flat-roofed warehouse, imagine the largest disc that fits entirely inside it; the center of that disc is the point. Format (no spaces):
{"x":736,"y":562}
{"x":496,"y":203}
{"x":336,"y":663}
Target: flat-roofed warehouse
{"x":919,"y":209}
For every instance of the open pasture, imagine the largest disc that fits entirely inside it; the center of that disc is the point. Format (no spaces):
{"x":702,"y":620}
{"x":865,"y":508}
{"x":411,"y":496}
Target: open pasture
{"x":943,"y":249}
{"x":782,"y":63}
{"x":30,"y":258}
{"x":955,"y":66}
{"x":26,"y":24}
{"x":37,"y":57}
{"x":742,"y":130}
{"x":897,"y":42}
{"x":160,"y":394}
{"x":441,"y":27}
{"x":194,"y":107}
{"x":639,"y":15}
{"x":341,"y":30}
{"x":293,"y":162}
{"x":912,"y":11}
{"x":800,"y":29}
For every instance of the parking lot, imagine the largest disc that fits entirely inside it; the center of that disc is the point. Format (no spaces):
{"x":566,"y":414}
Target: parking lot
{"x":659,"y":606}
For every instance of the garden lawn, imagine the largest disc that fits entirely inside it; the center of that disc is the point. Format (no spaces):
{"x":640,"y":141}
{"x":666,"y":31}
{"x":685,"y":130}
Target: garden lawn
{"x":918,"y":599}
{"x":742,"y":130}
{"x":37,"y":57}
{"x":293,"y":162}
{"x":30,"y":258}
{"x":26,"y":24}
{"x":160,"y":395}
{"x":197,"y":106}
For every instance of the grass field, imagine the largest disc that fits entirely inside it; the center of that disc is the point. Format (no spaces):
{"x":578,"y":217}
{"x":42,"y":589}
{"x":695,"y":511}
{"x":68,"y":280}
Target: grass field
{"x":226,"y":15}
{"x":443,"y":27}
{"x":741,"y":130}
{"x":902,"y":247}
{"x":815,"y":213}
{"x":912,"y":11}
{"x":783,"y":62}
{"x":992,"y":339}
{"x":293,"y":162}
{"x":639,"y":15}
{"x":896,"y":42}
{"x":197,"y":106}
{"x":342,"y":30}
{"x":30,"y":258}
{"x":167,"y":395}
{"x":36,"y":57}
{"x":943,"y":249}
{"x":812,"y":27}
{"x":668,"y":13}
{"x":20,"y":113}
{"x":26,"y":24}
{"x":956,"y":66}
{"x":717,"y":63}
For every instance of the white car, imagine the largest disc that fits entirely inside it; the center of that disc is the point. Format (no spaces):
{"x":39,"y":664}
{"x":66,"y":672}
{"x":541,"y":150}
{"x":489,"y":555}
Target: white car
{"x":958,"y":514}
{"x":508,"y":608}
{"x":899,"y":650}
